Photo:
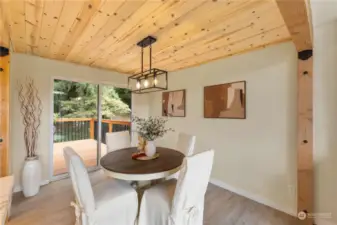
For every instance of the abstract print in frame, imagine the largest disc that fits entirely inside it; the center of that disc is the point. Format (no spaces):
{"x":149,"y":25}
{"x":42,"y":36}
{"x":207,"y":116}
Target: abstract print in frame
{"x":173,"y":103}
{"x":225,"y":100}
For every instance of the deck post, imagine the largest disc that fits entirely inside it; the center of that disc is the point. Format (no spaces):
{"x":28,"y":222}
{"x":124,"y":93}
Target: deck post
{"x":92,"y":128}
{"x":110,"y":127}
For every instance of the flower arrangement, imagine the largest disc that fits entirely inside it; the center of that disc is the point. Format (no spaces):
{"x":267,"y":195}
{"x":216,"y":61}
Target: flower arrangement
{"x":151,"y":128}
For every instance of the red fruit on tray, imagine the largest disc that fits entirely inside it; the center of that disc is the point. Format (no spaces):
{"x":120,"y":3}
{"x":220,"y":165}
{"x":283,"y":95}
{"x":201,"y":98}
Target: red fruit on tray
{"x":137,"y":155}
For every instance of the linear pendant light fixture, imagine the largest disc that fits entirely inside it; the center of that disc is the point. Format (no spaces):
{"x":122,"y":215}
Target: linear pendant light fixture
{"x":150,"y":80}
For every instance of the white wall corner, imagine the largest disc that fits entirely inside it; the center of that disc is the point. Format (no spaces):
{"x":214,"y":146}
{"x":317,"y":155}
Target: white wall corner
{"x":18,"y":188}
{"x":254,"y":197}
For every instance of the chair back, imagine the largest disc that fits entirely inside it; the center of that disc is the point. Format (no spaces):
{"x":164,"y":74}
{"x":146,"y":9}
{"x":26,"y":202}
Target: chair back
{"x":186,"y":144}
{"x":80,"y":180}
{"x":118,"y":140}
{"x":188,"y":200}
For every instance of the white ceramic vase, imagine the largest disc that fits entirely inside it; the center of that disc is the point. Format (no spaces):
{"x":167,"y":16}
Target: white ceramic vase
{"x":150,"y":148}
{"x":31,"y":177}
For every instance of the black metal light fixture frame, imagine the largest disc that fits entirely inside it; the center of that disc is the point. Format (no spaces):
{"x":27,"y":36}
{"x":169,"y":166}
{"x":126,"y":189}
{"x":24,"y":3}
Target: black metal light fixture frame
{"x":153,"y":73}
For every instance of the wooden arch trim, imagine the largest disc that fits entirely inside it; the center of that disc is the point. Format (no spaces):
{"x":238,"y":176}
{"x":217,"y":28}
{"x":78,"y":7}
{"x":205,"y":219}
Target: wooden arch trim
{"x":297,"y":17}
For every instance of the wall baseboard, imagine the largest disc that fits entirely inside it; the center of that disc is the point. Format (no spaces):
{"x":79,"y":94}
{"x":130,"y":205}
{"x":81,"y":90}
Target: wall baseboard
{"x":253,"y":197}
{"x":18,"y":188}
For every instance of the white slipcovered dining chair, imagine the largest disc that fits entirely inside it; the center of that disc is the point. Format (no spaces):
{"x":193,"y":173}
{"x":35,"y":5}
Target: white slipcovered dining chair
{"x":185,"y":143}
{"x":179,"y":202}
{"x":108,"y":202}
{"x":117,"y":140}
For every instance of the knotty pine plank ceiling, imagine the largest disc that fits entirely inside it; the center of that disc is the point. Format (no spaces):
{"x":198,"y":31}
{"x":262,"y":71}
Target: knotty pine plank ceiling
{"x":104,"y":33}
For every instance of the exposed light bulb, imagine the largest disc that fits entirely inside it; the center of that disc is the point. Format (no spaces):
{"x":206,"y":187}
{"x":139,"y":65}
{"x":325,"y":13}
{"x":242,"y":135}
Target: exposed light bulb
{"x":138,"y":84}
{"x":155,"y":81}
{"x":146,"y":83}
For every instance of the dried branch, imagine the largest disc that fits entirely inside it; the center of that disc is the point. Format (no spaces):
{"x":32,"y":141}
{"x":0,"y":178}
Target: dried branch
{"x":31,"y":110}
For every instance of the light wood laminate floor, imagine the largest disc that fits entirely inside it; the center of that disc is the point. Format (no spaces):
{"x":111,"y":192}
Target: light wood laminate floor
{"x":51,"y":207}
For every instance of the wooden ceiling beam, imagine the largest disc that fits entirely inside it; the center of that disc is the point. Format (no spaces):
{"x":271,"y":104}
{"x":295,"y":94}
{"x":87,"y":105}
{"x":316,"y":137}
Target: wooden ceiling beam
{"x":297,"y":17}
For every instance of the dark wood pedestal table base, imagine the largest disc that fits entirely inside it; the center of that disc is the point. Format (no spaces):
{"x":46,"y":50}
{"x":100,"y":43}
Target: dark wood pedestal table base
{"x":119,"y":164}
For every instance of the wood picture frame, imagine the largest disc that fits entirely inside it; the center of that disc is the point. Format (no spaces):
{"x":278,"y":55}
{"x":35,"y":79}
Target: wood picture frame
{"x":225,"y":101}
{"x":174,"y":103}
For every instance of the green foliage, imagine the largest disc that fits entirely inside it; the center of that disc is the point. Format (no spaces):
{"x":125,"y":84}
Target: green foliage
{"x":125,"y":95}
{"x":151,"y":128}
{"x":56,"y":116}
{"x":79,"y":100}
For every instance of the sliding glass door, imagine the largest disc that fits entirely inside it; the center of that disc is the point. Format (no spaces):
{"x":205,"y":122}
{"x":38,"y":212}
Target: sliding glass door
{"x":75,"y":121}
{"x":115,"y":110}
{"x":80,"y":111}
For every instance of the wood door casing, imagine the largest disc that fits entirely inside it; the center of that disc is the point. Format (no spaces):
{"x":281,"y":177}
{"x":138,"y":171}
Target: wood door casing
{"x":4,"y":113}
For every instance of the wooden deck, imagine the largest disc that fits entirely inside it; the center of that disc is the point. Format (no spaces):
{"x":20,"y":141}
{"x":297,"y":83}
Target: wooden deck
{"x":87,"y":149}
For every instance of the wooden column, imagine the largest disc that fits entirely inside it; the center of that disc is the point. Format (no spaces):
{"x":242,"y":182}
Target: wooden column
{"x":4,"y":111}
{"x":4,"y":96}
{"x":305,"y":180}
{"x":296,"y":14}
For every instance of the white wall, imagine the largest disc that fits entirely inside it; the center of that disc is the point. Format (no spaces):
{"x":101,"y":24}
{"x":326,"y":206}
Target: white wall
{"x":325,"y":122}
{"x":43,"y":71}
{"x":255,"y":157}
{"x":140,"y":107}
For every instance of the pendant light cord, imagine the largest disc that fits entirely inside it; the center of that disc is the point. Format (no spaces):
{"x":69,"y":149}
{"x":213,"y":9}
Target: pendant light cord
{"x":142,"y":60}
{"x":150,"y":57}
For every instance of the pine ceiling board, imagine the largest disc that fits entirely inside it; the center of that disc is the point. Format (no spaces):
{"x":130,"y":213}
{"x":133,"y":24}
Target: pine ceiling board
{"x":99,"y":20}
{"x":14,"y":12}
{"x":263,"y":38}
{"x":142,"y":12}
{"x":247,"y":28}
{"x":186,"y":64}
{"x":191,"y":27}
{"x":238,"y":19}
{"x":104,"y":33}
{"x":134,"y":21}
{"x":33,"y":14}
{"x":89,"y":9}
{"x":116,"y":19}
{"x":168,"y":13}
{"x":279,"y":34}
{"x":67,"y":20}
{"x":51,"y":14}
{"x":216,"y":18}
{"x":239,"y":47}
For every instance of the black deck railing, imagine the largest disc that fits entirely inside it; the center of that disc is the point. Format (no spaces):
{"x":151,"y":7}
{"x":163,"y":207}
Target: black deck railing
{"x":73,"y":129}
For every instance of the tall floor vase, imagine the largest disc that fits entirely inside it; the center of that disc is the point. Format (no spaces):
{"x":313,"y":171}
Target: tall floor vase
{"x":31,"y":177}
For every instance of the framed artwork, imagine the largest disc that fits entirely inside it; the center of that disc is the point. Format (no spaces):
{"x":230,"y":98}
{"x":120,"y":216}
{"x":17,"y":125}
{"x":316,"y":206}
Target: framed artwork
{"x":173,"y":103}
{"x":225,"y":100}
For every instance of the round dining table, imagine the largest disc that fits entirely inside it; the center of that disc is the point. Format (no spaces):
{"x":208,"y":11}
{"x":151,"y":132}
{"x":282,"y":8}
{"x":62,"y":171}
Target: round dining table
{"x":119,"y":164}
